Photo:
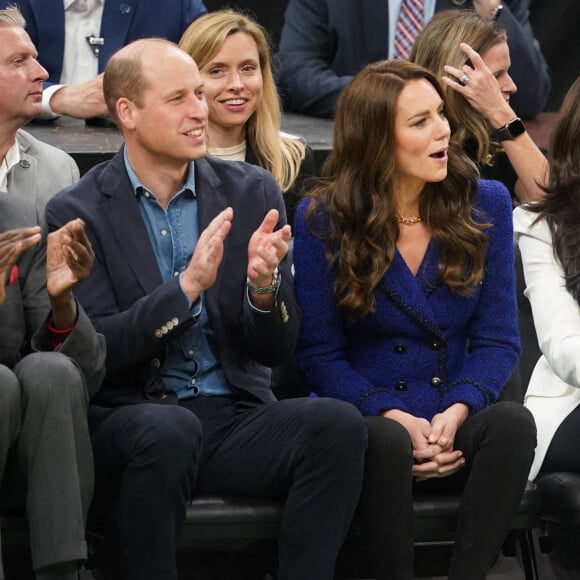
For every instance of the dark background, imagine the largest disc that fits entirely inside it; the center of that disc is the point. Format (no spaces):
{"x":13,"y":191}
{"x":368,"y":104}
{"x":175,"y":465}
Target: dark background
{"x":556,"y":24}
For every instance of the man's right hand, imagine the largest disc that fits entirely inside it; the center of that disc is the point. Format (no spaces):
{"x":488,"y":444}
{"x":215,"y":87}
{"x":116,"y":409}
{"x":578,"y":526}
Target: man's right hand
{"x":12,"y":244}
{"x":201,"y":271}
{"x":82,"y":101}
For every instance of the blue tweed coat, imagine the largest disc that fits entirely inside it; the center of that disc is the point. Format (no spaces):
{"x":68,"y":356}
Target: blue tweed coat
{"x":424,"y":347}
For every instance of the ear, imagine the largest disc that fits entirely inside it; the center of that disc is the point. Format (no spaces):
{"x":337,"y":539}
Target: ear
{"x":126,"y":112}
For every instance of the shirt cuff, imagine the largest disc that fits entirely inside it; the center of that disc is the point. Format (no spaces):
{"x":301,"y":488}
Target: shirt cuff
{"x":47,"y":112}
{"x":195,"y":307}
{"x":58,"y":335}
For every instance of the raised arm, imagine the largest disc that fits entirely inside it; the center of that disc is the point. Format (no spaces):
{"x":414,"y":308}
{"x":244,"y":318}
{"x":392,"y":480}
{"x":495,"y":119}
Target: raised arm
{"x":484,"y":95}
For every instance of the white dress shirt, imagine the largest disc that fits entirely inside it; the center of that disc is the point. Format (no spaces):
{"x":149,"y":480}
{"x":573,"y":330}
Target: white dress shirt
{"x":11,"y":159}
{"x":82,"y":19}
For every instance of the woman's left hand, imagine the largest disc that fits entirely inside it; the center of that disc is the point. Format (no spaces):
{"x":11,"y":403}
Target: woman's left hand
{"x":442,"y":465}
{"x":479,"y":86}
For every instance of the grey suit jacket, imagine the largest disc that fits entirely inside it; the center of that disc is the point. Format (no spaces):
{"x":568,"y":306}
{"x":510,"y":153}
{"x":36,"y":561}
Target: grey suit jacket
{"x":24,"y":314}
{"x":43,"y":170}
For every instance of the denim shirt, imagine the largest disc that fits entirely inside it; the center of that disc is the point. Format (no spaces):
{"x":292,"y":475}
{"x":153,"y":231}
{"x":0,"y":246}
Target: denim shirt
{"x":191,"y":367}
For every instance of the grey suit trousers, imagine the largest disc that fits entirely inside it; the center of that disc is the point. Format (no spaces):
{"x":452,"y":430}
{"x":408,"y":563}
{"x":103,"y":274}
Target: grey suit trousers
{"x":44,"y":435}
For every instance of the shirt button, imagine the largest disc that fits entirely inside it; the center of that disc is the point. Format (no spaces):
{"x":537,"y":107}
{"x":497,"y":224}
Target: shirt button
{"x":155,"y":363}
{"x":175,"y":274}
{"x":190,"y":352}
{"x":163,"y":232}
{"x":193,"y":381}
{"x":147,"y":194}
{"x":400,"y":348}
{"x":401,"y":386}
{"x":435,"y":381}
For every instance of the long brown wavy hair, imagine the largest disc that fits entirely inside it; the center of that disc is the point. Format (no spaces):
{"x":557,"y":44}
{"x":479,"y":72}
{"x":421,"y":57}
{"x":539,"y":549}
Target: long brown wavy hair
{"x":280,"y":154}
{"x":355,"y":194}
{"x":561,"y":206}
{"x":438,"y":45}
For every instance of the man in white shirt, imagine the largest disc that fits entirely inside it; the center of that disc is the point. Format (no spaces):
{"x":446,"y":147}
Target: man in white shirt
{"x":75,"y":39}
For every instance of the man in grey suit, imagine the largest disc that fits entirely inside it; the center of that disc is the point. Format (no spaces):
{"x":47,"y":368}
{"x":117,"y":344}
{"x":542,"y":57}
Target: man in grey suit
{"x":51,"y":361}
{"x":27,"y":166}
{"x":51,"y":358}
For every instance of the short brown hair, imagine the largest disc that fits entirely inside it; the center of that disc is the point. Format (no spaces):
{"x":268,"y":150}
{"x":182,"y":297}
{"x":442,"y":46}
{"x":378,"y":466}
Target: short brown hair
{"x":124,"y":74}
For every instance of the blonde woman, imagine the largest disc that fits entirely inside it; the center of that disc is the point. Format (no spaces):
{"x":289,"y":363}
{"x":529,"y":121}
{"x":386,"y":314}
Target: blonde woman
{"x":233,"y":55}
{"x":471,"y":56}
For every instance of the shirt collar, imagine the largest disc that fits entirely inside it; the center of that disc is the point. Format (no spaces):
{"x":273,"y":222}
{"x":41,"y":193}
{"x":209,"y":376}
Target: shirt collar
{"x":11,"y":159}
{"x":139,"y":188}
{"x":68,"y":4}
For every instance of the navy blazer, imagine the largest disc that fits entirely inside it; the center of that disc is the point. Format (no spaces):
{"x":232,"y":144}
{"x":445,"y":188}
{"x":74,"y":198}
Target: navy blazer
{"x":424,"y":347}
{"x":325,"y":42}
{"x":123,"y":21}
{"x":129,"y":303}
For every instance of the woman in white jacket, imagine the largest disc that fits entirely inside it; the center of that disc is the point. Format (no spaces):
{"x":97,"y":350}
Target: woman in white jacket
{"x":548,"y":234}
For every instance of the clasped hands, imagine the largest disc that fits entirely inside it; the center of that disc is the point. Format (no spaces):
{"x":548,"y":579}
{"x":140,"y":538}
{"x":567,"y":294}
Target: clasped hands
{"x":433,"y":441}
{"x":266,"y":249}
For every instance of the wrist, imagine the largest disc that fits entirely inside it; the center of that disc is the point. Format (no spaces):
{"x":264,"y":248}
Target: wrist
{"x":260,"y":288}
{"x":64,"y":310}
{"x":500,"y":117}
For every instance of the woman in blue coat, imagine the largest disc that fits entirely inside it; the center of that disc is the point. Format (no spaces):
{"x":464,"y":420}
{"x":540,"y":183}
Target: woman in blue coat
{"x":404,"y":273}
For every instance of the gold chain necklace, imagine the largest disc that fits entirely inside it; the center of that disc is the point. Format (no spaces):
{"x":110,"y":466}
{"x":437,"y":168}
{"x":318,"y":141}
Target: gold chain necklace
{"x":408,"y":221}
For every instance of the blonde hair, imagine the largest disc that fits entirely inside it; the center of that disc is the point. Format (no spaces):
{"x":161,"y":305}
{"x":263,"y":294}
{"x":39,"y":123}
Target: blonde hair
{"x":279,"y":154}
{"x":11,"y":16}
{"x":438,"y":45}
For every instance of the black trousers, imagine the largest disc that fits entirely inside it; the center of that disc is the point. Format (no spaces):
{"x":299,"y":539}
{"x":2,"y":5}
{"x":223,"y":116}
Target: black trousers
{"x":153,"y":457}
{"x":498,"y":445}
{"x":562,"y":454}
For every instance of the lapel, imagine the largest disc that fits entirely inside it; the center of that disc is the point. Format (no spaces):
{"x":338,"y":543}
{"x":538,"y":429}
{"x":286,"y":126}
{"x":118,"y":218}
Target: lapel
{"x":24,"y":177}
{"x":411,"y":293}
{"x":211,"y":200}
{"x":117,"y":17}
{"x":122,"y":211}
{"x":374,"y":32}
{"x":51,"y":46}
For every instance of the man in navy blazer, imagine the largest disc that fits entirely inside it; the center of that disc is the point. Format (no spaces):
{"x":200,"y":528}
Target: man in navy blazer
{"x":121,"y":23}
{"x":193,"y":292}
{"x":325,"y":42}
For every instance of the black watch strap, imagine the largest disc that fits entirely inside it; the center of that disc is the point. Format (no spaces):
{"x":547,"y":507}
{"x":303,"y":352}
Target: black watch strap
{"x":509,"y":131}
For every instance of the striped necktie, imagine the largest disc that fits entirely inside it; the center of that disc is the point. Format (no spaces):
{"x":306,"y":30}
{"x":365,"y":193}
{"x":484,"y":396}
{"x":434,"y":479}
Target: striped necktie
{"x":409,"y":25}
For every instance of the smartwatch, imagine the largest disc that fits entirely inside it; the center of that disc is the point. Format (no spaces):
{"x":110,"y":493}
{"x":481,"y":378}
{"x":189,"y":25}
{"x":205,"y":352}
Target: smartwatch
{"x":509,"y":131}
